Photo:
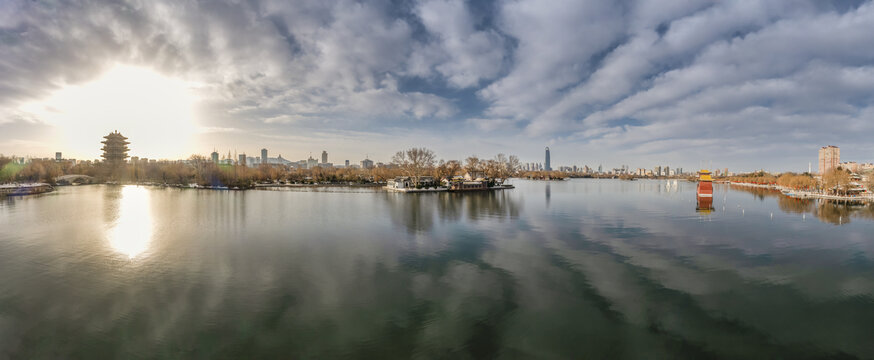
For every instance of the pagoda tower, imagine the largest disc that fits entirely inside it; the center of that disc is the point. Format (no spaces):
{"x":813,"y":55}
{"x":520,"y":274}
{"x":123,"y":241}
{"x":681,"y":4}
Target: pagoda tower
{"x":114,"y":148}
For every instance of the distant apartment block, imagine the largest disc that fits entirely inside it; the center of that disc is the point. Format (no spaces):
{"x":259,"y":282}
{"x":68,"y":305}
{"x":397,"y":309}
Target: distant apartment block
{"x":829,"y":158}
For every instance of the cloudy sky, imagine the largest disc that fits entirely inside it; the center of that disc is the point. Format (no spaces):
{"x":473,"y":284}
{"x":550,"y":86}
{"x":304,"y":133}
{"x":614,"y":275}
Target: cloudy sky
{"x":742,"y":84}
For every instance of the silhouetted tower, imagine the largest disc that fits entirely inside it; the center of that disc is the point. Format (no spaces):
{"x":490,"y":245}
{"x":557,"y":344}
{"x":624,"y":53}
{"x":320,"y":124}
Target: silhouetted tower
{"x":324,"y":157}
{"x":263,"y":156}
{"x":115,"y":148}
{"x":546,"y":164}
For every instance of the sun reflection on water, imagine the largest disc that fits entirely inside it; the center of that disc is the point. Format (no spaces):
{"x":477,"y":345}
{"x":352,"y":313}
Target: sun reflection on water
{"x":131,"y":232}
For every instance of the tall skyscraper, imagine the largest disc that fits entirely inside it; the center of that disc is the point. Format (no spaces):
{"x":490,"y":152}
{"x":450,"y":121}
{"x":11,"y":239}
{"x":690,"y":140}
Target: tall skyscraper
{"x":214,"y":156}
{"x":263,"y":156}
{"x":324,"y":157}
{"x":546,"y":165}
{"x":829,"y":158}
{"x":241,"y":159}
{"x":347,"y":163}
{"x":58,"y":156}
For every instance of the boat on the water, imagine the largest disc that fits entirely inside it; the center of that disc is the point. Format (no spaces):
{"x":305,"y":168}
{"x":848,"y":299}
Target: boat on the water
{"x":24,"y":189}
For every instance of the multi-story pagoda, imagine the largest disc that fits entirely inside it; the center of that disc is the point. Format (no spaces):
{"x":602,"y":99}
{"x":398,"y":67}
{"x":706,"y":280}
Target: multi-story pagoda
{"x":114,"y":148}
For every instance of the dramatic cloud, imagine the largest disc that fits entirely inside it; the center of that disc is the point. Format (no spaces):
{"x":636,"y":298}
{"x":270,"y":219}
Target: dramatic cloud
{"x":635,"y":82}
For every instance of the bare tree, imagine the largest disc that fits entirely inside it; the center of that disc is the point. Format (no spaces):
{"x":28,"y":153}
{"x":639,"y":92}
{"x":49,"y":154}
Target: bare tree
{"x":472,"y":164}
{"x":414,"y":162}
{"x":869,"y":182}
{"x":441,"y":170}
{"x":491,"y":168}
{"x":836,"y":180}
{"x":452,"y":167}
{"x":513,"y":165}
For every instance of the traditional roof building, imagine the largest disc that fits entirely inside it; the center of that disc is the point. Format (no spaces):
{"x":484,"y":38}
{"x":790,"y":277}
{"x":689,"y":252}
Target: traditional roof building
{"x":115,"y":148}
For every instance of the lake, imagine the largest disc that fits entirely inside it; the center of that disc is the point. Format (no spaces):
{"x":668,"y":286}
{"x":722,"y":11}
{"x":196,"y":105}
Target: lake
{"x":554,"y":270}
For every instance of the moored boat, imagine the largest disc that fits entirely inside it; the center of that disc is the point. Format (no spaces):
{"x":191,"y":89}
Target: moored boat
{"x":24,"y":189}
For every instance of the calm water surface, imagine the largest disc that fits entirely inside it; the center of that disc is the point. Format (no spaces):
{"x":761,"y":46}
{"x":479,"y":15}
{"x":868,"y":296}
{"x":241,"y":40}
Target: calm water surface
{"x":573,"y":269}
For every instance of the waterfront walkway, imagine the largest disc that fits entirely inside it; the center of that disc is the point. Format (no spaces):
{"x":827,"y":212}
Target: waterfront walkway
{"x":802,"y":194}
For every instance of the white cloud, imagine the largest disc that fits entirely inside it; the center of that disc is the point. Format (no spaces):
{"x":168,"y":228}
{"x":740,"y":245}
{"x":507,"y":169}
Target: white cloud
{"x":464,"y":56}
{"x":616,"y":74}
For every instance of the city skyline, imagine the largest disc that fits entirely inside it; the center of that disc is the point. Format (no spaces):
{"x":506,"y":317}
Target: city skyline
{"x":832,"y":158}
{"x":742,"y":85}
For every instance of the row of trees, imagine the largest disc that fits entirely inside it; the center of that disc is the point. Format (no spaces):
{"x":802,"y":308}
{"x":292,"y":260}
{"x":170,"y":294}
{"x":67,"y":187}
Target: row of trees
{"x":760,"y":178}
{"x":414,"y":162}
{"x":418,"y":162}
{"x":836,"y":181}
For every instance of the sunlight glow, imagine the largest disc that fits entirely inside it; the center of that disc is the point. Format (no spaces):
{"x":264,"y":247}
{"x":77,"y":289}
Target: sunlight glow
{"x":131,"y":232}
{"x":156,"y":112}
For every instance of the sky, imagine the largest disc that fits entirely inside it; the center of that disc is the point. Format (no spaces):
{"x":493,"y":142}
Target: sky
{"x":684,"y":83}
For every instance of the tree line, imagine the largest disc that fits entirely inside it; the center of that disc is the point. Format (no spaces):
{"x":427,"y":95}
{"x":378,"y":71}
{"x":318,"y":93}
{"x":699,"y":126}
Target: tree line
{"x":834,"y":181}
{"x":198,"y":169}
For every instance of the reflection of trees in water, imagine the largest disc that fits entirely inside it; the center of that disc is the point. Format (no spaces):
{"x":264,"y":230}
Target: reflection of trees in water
{"x":417,"y":211}
{"x":828,"y":211}
{"x":495,"y":204}
{"x":794,"y":205}
{"x":833,"y":212}
{"x":759,"y":193}
{"x":414,"y":211}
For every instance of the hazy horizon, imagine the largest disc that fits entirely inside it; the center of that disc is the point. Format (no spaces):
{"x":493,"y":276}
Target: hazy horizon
{"x":739,"y":84}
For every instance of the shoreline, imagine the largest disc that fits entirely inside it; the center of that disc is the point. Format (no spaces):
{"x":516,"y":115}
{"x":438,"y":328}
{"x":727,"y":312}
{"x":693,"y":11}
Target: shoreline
{"x":802,"y":194}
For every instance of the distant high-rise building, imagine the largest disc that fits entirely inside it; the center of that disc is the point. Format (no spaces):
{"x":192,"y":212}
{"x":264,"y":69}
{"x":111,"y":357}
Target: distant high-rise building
{"x":263,"y":156}
{"x":324,"y":157}
{"x":58,"y":156}
{"x":214,"y":156}
{"x":600,"y":169}
{"x":366,"y":164}
{"x":114,"y":148}
{"x":347,"y":163}
{"x":241,"y":159}
{"x":546,"y":165}
{"x":829,"y":158}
